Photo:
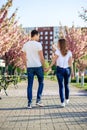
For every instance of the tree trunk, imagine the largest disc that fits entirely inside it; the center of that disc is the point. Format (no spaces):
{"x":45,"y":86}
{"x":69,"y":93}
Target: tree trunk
{"x":74,"y":68}
{"x":82,"y":78}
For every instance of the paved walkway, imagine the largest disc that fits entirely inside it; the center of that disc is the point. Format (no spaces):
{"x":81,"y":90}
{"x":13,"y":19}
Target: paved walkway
{"x":15,"y":116}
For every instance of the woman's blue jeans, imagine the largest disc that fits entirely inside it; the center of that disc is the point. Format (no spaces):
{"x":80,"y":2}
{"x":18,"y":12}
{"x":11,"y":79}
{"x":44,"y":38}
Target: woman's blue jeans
{"x":63,"y":75}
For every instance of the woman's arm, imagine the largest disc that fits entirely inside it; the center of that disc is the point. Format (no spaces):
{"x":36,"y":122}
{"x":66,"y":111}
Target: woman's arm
{"x":53,"y":62}
{"x":70,"y":61}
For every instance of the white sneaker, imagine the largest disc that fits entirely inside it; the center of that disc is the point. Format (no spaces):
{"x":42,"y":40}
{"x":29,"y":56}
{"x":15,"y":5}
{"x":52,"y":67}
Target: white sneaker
{"x":67,"y":101}
{"x":29,"y":106}
{"x":63,"y":104}
{"x":39,"y":104}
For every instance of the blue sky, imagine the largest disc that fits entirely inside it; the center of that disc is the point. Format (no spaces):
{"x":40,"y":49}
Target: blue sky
{"x":34,"y":13}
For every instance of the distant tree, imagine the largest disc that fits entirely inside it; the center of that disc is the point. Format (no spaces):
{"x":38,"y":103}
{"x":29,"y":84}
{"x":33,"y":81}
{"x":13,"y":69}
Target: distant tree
{"x":77,"y":43}
{"x":82,"y":65}
{"x":83,"y":14}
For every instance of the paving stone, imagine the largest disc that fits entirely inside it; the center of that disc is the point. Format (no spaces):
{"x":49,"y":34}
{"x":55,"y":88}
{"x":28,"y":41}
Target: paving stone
{"x":15,"y":116}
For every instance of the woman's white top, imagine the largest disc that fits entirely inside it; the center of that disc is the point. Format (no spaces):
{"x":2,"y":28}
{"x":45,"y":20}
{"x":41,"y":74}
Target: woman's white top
{"x":62,"y":61}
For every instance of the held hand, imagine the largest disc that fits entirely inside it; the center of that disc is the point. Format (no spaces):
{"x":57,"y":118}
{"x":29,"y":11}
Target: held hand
{"x":72,"y":75}
{"x":46,"y":69}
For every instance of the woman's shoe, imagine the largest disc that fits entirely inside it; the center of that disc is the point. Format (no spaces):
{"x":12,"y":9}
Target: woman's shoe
{"x":67,"y":101}
{"x":63,"y":104}
{"x":29,"y":106}
{"x":40,"y":104}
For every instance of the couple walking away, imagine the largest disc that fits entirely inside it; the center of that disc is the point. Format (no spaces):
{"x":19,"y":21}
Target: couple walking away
{"x":36,"y":66}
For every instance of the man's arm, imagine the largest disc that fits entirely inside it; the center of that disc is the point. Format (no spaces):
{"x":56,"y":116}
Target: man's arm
{"x":42,"y":58}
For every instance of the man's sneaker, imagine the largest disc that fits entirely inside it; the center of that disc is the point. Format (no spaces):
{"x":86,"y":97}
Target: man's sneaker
{"x":39,"y":104}
{"x":67,"y":101}
{"x":29,"y":106}
{"x":63,"y":104}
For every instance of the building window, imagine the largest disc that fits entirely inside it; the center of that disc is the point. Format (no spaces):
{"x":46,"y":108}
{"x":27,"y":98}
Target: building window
{"x":50,"y":52}
{"x":45,"y":52}
{"x":51,"y":42}
{"x":46,"y":42}
{"x":50,"y":47}
{"x":41,"y":42}
{"x":46,"y":37}
{"x":51,"y":33}
{"x":50,"y":56}
{"x":41,"y":33}
{"x":46,"y":47}
{"x":41,"y":37}
{"x":46,"y":33}
{"x":46,"y":56}
{"x":51,"y":37}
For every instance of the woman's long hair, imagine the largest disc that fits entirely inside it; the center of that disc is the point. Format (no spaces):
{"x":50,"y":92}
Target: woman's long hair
{"x":63,"y":46}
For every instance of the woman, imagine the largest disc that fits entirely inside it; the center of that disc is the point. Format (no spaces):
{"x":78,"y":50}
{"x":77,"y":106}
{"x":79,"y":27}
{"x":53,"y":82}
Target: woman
{"x":63,"y":59}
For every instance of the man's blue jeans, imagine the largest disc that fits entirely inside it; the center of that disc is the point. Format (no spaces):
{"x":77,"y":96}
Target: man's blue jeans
{"x":63,"y":75}
{"x":38,"y":71}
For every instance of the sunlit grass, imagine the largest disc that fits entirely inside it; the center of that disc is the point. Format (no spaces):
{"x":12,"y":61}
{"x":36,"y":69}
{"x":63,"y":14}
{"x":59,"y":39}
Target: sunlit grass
{"x":78,"y":85}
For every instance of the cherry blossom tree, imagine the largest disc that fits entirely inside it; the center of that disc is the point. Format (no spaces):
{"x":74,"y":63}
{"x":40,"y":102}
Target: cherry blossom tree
{"x":77,"y":43}
{"x":12,"y":38}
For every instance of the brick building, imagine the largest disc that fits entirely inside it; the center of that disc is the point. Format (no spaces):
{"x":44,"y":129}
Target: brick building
{"x":46,"y":39}
{"x":48,"y":36}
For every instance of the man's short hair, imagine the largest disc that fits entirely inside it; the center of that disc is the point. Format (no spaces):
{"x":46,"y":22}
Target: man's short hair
{"x":34,"y":32}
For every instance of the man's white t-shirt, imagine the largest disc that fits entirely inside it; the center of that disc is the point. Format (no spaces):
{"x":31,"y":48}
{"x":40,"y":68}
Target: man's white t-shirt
{"x":31,"y":49}
{"x":62,"y":61}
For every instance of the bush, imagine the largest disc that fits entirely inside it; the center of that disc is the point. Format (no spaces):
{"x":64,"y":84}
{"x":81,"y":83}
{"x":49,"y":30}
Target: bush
{"x":74,"y":80}
{"x":78,"y":85}
{"x":53,"y":77}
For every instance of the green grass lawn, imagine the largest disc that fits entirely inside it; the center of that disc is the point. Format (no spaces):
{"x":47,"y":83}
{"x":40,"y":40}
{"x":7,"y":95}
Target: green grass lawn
{"x":78,"y":85}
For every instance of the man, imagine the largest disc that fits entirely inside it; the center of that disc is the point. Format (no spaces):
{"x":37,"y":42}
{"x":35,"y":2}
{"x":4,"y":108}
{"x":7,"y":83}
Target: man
{"x":35,"y":64}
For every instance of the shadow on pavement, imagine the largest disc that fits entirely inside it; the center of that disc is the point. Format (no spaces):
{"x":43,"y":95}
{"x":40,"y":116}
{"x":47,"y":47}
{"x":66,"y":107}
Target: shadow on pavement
{"x":69,"y":117}
{"x":34,"y":107}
